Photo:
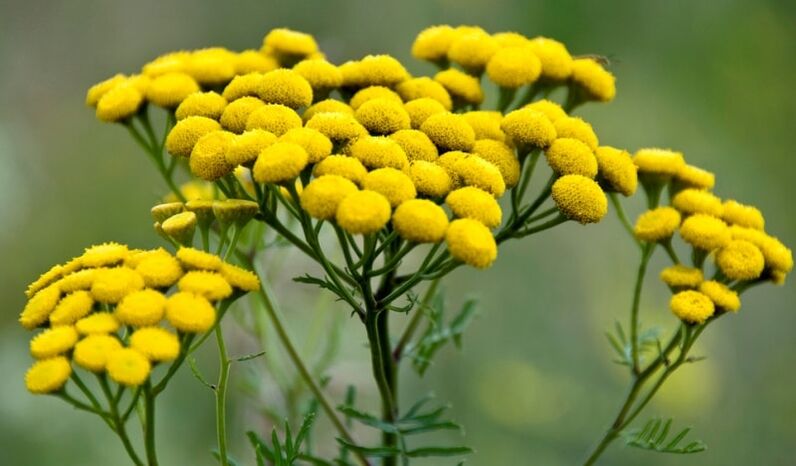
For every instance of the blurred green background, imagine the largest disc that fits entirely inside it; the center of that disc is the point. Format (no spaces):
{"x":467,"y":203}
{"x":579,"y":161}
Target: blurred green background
{"x":534,"y":383}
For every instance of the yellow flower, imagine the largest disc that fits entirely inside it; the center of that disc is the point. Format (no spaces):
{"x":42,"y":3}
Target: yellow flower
{"x":211,"y":66}
{"x":420,"y":221}
{"x":552,"y":110}
{"x":695,"y":177}
{"x":486,"y":124}
{"x":326,"y":106}
{"x":461,"y":86}
{"x":129,"y":367}
{"x":285,"y":87}
{"x":180,"y":226}
{"x":449,"y":131}
{"x":48,"y":375}
{"x":511,"y":39}
{"x":317,"y":145}
{"x":567,"y":156}
{"x":475,"y":171}
{"x":501,"y":156}
{"x":705,"y":232}
{"x":72,"y":307}
{"x":471,"y":242}
{"x":242,"y":279}
{"x":195,"y":259}
{"x":681,"y":276}
{"x":616,"y":170}
{"x":280,"y":163}
{"x":692,"y":306}
{"x":380,"y":70}
{"x":660,"y":162}
{"x":322,"y":75}
{"x":473,"y":50}
{"x":657,"y":224}
{"x":237,"y":113}
{"x":429,"y":179}
{"x":98,"y":90}
{"x":391,"y":183}
{"x":142,"y":308}
{"x":276,"y":118}
{"x":341,"y":165}
{"x":598,"y":83}
{"x":514,"y":67}
{"x":289,"y":44}
{"x":92,"y":352}
{"x":245,"y":147}
{"x":473,"y":203}
{"x":373,"y":92}
{"x":157,"y":344}
{"x":576,"y":128}
{"x":211,"y":285}
{"x":735,"y":213}
{"x":250,"y":61}
{"x":111,"y":285}
{"x":363,"y":212}
{"x":420,"y":109}
{"x":448,"y":162}
{"x":38,"y":309}
{"x":416,"y":145}
{"x":556,"y":60}
{"x":696,"y":201}
{"x":205,"y":104}
{"x":432,"y":44}
{"x":322,"y":196}
{"x":580,"y":198}
{"x":424,"y":87}
{"x":160,"y":213}
{"x":168,"y":63}
{"x":53,"y":341}
{"x":98,"y":322}
{"x":337,"y":126}
{"x":44,"y":279}
{"x":528,"y":129}
{"x":235,"y":211}
{"x":379,"y":152}
{"x":778,"y":257}
{"x":740,"y":260}
{"x":190,"y":312}
{"x":382,"y":116}
{"x":245,"y":85}
{"x":104,"y":254}
{"x":207,"y":157}
{"x":721,"y":295}
{"x":119,"y":103}
{"x":159,"y":271}
{"x":170,"y":89}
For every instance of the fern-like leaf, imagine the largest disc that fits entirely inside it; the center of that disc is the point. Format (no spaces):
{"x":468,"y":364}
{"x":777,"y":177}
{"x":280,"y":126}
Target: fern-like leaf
{"x":654,"y":436}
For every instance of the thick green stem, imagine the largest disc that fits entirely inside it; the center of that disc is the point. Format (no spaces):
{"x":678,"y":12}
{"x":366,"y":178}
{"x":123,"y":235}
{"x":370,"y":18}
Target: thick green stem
{"x":149,"y":428}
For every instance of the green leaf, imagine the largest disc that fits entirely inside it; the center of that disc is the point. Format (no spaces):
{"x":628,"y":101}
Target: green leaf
{"x":438,"y":333}
{"x":439,"y":451}
{"x":249,"y":356}
{"x":261,"y":450}
{"x":368,"y":419}
{"x":198,"y":375}
{"x":653,"y":437}
{"x":376,"y":452}
{"x":231,"y":461}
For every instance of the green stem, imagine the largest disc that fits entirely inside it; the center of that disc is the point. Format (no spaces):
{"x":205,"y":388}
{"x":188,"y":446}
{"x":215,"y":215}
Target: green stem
{"x":411,"y":327}
{"x":620,"y":213}
{"x":541,"y":227}
{"x":149,"y":429}
{"x":505,"y":98}
{"x":646,"y":253}
{"x":221,"y":396}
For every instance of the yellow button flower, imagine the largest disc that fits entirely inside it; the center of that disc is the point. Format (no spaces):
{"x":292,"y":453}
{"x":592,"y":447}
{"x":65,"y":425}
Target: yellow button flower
{"x":471,"y":242}
{"x":208,"y":160}
{"x":502,"y":156}
{"x":245,"y":147}
{"x":432,"y":44}
{"x":97,"y":323}
{"x":477,"y":204}
{"x":245,"y":85}
{"x":692,"y":306}
{"x":53,"y":341}
{"x":317,"y":145}
{"x":373,"y":92}
{"x":461,"y":86}
{"x":104,"y":254}
{"x":576,"y":128}
{"x":380,"y":70}
{"x":38,"y":309}
{"x":323,"y":195}
{"x":556,"y":60}
{"x":449,"y":131}
{"x":697,"y":201}
{"x":48,"y":375}
{"x":242,"y":279}
{"x":416,"y":145}
{"x":567,"y":156}
{"x":695,"y":177}
{"x":98,"y":90}
{"x":424,"y":87}
{"x":430,"y":179}
{"x":529,"y":129}
{"x":212,"y":66}
{"x":205,"y":104}
{"x":211,"y":285}
{"x":111,"y":285}
{"x":657,"y":224}
{"x":237,"y":113}
{"x":391,"y":183}
{"x":616,"y":170}
{"x":681,"y":276}
{"x":92,"y":352}
{"x":320,"y":74}
{"x":661,"y":162}
{"x":288,"y":43}
{"x":180,"y":227}
{"x":514,"y":67}
{"x":363,"y":212}
{"x":170,"y":89}
{"x":580,"y":198}
{"x":379,"y":152}
{"x":128,"y":367}
{"x":45,"y":279}
{"x":735,"y":213}
{"x":190,"y":312}
{"x":185,"y":134}
{"x":420,"y":221}
{"x":382,"y":116}
{"x":552,"y":110}
{"x":71,"y":308}
{"x":250,"y":61}
{"x":598,"y":83}
{"x":705,"y":232}
{"x":280,"y":163}
{"x":721,"y":295}
{"x":475,"y":171}
{"x":337,"y":126}
{"x":473,"y":50}
{"x":274,"y":118}
{"x":341,"y":165}
{"x":142,"y":308}
{"x":740,"y":260}
{"x":119,"y":103}
{"x":285,"y":87}
{"x":157,"y":344}
{"x":420,"y":109}
{"x":326,"y":106}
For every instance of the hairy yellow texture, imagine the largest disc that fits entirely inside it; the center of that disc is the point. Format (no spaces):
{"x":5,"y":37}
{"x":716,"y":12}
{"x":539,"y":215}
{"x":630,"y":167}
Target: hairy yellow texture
{"x":141,"y":308}
{"x":208,"y":160}
{"x":740,"y":260}
{"x":322,"y":75}
{"x":474,"y":203}
{"x":383,"y":116}
{"x":420,"y":221}
{"x":556,"y":61}
{"x":341,"y":165}
{"x":379,"y":152}
{"x":111,"y":285}
{"x":317,"y":145}
{"x":552,"y":110}
{"x":416,"y":145}
{"x":735,"y":213}
{"x":280,"y":163}
{"x":681,"y":276}
{"x":577,"y":128}
{"x":322,"y":196}
{"x":251,"y":61}
{"x":186,"y":133}
{"x":204,"y":104}
{"x":373,"y":92}
{"x":97,"y":323}
{"x":598,"y":83}
{"x":129,"y":367}
{"x":511,"y":39}
{"x":92,"y":352}
{"x":104,"y":254}
{"x":48,"y":375}
{"x":337,"y":126}
{"x":705,"y":232}
{"x":448,"y":162}
{"x":275,"y":118}
{"x":461,"y":86}
{"x":568,"y":156}
{"x":471,"y":242}
{"x":119,"y":103}
{"x":692,"y":306}
{"x":695,"y":177}
{"x":363,"y":212}
{"x":529,"y":129}
{"x":502,"y":156}
{"x":449,"y":131}
{"x":579,"y":198}
{"x":245,"y":147}
{"x":777,"y":256}
{"x":661,"y":162}
{"x":196,"y":259}
{"x":697,"y":201}
{"x":326,"y":106}
{"x":45,"y":279}
{"x":39,"y":307}
{"x":71,"y":308}
{"x":211,"y":285}
{"x":237,"y":113}
{"x":658,"y":224}
{"x":429,"y":179}
{"x":170,"y":89}
{"x":480,"y":173}
{"x":432,"y":44}
{"x":244,"y":85}
{"x":289,"y":43}
{"x":374,"y":70}
{"x":285,"y":87}
{"x":722,"y":296}
{"x":616,"y":170}
{"x":391,"y":183}
{"x":190,"y":312}
{"x":420,"y":109}
{"x":514,"y":67}
{"x":486,"y":124}
{"x":171,"y":62}
{"x":473,"y":49}
{"x":53,"y":341}
{"x":157,"y":344}
{"x":240,"y":278}
{"x":424,"y":87}
{"x":211,"y":66}
{"x":95,"y":92}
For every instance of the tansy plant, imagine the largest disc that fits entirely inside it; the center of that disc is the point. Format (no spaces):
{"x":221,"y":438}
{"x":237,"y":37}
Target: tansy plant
{"x":387,"y":182}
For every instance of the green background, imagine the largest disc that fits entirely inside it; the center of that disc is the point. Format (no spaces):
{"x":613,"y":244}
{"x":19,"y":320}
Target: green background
{"x":534,"y":383}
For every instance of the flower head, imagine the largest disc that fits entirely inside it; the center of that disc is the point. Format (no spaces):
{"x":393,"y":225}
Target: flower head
{"x":379,"y":152}
{"x":53,"y":341}
{"x":681,"y":276}
{"x":337,"y":126}
{"x":692,"y":306}
{"x":514,"y":67}
{"x":383,"y":116}
{"x":289,"y":44}
{"x":556,"y":61}
{"x":180,"y":226}
{"x":416,"y":145}
{"x":95,"y":92}
{"x":371,"y":93}
{"x":449,"y":131}
{"x":190,"y":312}
{"x":529,"y":129}
{"x":157,"y":344}
{"x":48,"y":375}
{"x":38,"y":308}
{"x":206,"y":104}
{"x":274,"y":118}
{"x":237,"y":113}
{"x":502,"y":156}
{"x":244,"y":148}
{"x":658,"y":224}
{"x":142,"y":308}
{"x":567,"y":156}
{"x":92,"y":352}
{"x":285,"y":87}
{"x":695,"y":177}
{"x":424,"y":87}
{"x":97,"y":323}
{"x":616,"y":170}
{"x":280,"y":163}
{"x":320,"y":74}
{"x":244,"y":85}
{"x":128,"y":366}
{"x":432,"y":44}
{"x":471,"y":242}
{"x":461,"y":86}
{"x":552,"y":110}
{"x":323,"y":195}
{"x":317,"y":145}
{"x":473,"y":203}
{"x":576,"y":128}
{"x":486,"y":124}
{"x":240,"y":278}
{"x":580,"y":198}
{"x":326,"y":106}
{"x":429,"y":179}
{"x":110,"y":285}
{"x":119,"y":103}
{"x":597,"y":82}
{"x":659,"y":162}
{"x":341,"y":165}
{"x":71,"y":308}
{"x":740,"y":260}
{"x":473,"y":49}
{"x":420,"y":221}
{"x":363,"y":212}
{"x":170,"y":89}
{"x":211,"y":285}
{"x":104,"y":254}
{"x":480,"y":173}
{"x":420,"y":109}
{"x":735,"y":213}
{"x":705,"y":232}
{"x":391,"y":183}
{"x":722,"y":296}
{"x":697,"y":201}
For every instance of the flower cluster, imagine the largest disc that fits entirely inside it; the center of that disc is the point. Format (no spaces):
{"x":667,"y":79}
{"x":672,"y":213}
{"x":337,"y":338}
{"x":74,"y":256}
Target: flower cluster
{"x":731,"y":233}
{"x":121,"y":311}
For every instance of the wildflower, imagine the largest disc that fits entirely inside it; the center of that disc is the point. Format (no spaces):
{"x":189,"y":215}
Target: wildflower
{"x":163,"y":211}
{"x":449,"y":131}
{"x":211,"y":285}
{"x":473,"y":50}
{"x":598,"y":83}
{"x":71,"y":308}
{"x":576,"y":128}
{"x":475,"y":171}
{"x":657,"y":224}
{"x":420,"y":109}
{"x":104,"y":254}
{"x":415,"y":144}
{"x":250,"y":61}
{"x":203,"y":208}
{"x":501,"y":156}
{"x":696,"y":201}
{"x":244,"y":148}
{"x":237,"y":113}
{"x":322,"y":196}
{"x":556,"y":61}
{"x":171,"y":62}
{"x":98,"y":322}
{"x":44,"y":280}
{"x":373,"y":92}
{"x":346,"y":167}
{"x":471,"y":242}
{"x":379,"y":152}
{"x":778,"y":257}
{"x":285,"y":87}
{"x":420,"y":221}
{"x":212,"y":66}
{"x":692,"y":306}
{"x":528,"y":129}
{"x":391,"y":183}
{"x":235,"y":211}
{"x":567,"y":156}
{"x":275,"y":118}
{"x":659,"y":162}
{"x":129,"y":367}
{"x":190,"y":312}
{"x":207,"y":157}
{"x":280,"y":163}
{"x":288,"y":44}
{"x":486,"y":124}
{"x":180,"y":226}
{"x":119,"y":103}
{"x":448,"y":162}
{"x":337,"y":126}
{"x":245,"y":85}
{"x":320,"y":74}
{"x":48,"y":375}
{"x":92,"y":352}
{"x":695,"y":177}
{"x":380,"y":70}
{"x":616,"y":170}
{"x":317,"y":145}
{"x":580,"y":198}
{"x":477,"y":204}
{"x":111,"y":285}
{"x":429,"y":179}
{"x":97,"y":91}
{"x":740,"y":260}
{"x":242,"y":279}
{"x":735,"y":213}
{"x":552,"y":110}
{"x":510,"y":39}
{"x":157,"y":344}
{"x":142,"y":308}
{"x":382,"y":116}
{"x":363,"y":212}
{"x":170,"y":89}
{"x":53,"y":341}
{"x":722,"y":296}
{"x":514,"y":67}
{"x":204,"y":104}
{"x":326,"y":106}
{"x":38,"y":309}
{"x":432,"y":44}
{"x":196,"y":259}
{"x":705,"y":232}
{"x":681,"y":276}
{"x":424,"y":87}
{"x":461,"y":86}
